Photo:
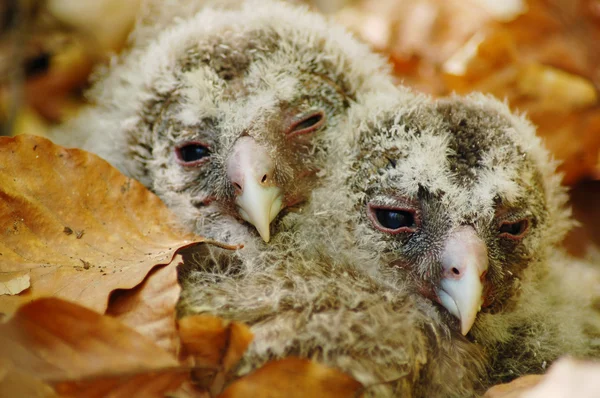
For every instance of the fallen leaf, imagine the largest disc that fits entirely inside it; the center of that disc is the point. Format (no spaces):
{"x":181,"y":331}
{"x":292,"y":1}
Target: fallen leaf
{"x":215,"y":346}
{"x":568,"y":378}
{"x":19,"y":384}
{"x":584,"y":239}
{"x":84,"y":354}
{"x":149,"y":308}
{"x":515,"y":388}
{"x":14,"y":282}
{"x":121,"y":230}
{"x":56,"y":340}
{"x":294,"y":377}
{"x":188,"y":390}
{"x":157,"y":384}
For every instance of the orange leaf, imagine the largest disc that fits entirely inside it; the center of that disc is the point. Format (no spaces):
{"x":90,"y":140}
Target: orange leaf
{"x":294,"y":377}
{"x":19,"y":384}
{"x":213,"y":343}
{"x":85,"y":354}
{"x":57,"y":340}
{"x":150,"y":307}
{"x":78,"y":227}
{"x":515,"y":388}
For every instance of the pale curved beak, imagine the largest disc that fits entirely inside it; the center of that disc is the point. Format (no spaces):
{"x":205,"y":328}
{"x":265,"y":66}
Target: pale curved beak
{"x":464,"y":265}
{"x":250,"y":169}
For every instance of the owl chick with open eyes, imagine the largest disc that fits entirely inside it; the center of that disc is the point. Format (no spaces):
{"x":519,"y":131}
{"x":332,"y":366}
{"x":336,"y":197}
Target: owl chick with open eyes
{"x":433,"y":267}
{"x":228,"y":114}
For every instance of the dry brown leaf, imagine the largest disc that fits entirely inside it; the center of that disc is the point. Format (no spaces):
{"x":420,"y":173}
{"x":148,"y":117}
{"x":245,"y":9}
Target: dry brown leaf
{"x":294,"y":377}
{"x":157,"y":384}
{"x":213,"y":343}
{"x":188,"y":390}
{"x":565,"y":379}
{"x":57,"y":340}
{"x":78,"y":227}
{"x":515,"y":388}
{"x":19,"y":384}
{"x":150,"y":307}
{"x":107,"y":21}
{"x":85,"y":354}
{"x":568,"y":378}
{"x":14,"y":282}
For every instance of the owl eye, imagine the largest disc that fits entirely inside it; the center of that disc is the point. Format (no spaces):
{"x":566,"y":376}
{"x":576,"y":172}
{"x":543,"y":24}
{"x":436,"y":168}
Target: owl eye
{"x":192,"y":153}
{"x":514,"y":230}
{"x":307,"y":124}
{"x":392,"y":220}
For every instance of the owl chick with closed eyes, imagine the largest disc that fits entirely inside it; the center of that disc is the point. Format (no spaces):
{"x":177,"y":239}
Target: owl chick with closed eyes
{"x":465,"y":200}
{"x":433,"y":267}
{"x":227,"y":114}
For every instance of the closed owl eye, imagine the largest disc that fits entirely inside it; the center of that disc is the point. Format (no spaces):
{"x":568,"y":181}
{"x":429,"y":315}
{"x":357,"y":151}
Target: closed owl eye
{"x":192,"y":153}
{"x":514,"y":230}
{"x":306,"y":124}
{"x":392,"y":220}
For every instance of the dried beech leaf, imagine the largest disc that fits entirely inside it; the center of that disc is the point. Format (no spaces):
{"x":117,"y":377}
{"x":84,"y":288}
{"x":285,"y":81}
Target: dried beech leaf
{"x":213,"y":343}
{"x":85,"y":354}
{"x":150,"y":307}
{"x":19,"y":384}
{"x":188,"y":390}
{"x":515,"y":388}
{"x":14,"y":282}
{"x":568,"y":378}
{"x":107,"y":21}
{"x":57,"y":340}
{"x":294,"y":377}
{"x":157,"y":384}
{"x":79,"y":227}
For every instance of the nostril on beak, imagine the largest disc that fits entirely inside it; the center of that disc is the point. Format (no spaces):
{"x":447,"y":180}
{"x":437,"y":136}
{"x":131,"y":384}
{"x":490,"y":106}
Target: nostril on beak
{"x":238,"y":187}
{"x":263,"y":179}
{"x":454,"y":272}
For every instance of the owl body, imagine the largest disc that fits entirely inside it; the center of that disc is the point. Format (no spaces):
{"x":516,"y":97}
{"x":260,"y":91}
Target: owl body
{"x":416,"y":190}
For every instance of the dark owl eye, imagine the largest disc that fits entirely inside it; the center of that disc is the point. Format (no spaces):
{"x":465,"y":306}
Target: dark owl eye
{"x":192,"y":153}
{"x":393,"y":220}
{"x":514,"y":230}
{"x":307,"y":124}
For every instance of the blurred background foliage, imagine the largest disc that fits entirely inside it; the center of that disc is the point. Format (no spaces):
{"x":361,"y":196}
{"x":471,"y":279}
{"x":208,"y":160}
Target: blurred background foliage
{"x":542,"y":56}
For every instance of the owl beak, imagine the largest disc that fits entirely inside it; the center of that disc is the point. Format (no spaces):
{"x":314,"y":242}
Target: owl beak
{"x":464,"y":266}
{"x":250,"y":169}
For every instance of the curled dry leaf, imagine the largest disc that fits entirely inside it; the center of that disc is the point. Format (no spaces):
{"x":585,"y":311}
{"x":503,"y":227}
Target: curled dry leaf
{"x":77,"y":226}
{"x":215,"y":346}
{"x":568,"y":378}
{"x":565,"y":379}
{"x":56,"y":340}
{"x":515,"y":388}
{"x":107,"y":21}
{"x":150,"y":307}
{"x":14,"y":282}
{"x":294,"y":377}
{"x":14,"y":383}
{"x":84,"y":354}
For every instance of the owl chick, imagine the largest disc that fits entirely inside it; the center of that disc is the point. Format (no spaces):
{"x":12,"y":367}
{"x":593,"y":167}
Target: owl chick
{"x":463,"y":197}
{"x":228,"y":114}
{"x":427,"y":264}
